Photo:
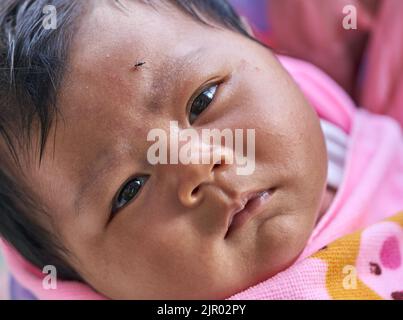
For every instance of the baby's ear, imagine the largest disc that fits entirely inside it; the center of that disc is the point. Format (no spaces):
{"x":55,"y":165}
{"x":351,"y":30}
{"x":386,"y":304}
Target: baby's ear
{"x":247,"y":26}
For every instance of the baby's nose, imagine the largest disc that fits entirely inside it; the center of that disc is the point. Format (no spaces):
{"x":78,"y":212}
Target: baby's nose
{"x":198,"y":171}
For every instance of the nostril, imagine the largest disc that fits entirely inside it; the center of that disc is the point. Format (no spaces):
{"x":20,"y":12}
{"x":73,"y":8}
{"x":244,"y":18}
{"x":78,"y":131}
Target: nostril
{"x":195,"y":191}
{"x":219,"y":164}
{"x":216,"y":166}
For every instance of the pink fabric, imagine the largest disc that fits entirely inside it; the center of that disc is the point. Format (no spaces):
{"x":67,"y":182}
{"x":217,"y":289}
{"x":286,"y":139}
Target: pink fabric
{"x":312,"y":31}
{"x":372,"y":188}
{"x":373,"y":182}
{"x":387,"y":253}
{"x":4,"y":295}
{"x":382,"y":88}
{"x":353,"y":267}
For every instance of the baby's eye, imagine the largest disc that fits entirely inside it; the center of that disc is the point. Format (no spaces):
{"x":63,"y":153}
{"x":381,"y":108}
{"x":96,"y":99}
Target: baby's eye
{"x":202,"y":102}
{"x":128,"y":192}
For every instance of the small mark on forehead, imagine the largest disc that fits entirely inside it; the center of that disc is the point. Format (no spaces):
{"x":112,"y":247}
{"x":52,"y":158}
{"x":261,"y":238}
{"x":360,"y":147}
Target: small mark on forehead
{"x":139,"y":64}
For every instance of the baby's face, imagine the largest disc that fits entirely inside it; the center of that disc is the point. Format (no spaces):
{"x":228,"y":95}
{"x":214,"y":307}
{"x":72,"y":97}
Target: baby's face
{"x":171,"y":241}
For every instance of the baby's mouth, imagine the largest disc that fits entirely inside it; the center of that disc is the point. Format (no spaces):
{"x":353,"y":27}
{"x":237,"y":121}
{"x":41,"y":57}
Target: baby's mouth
{"x":250,"y":205}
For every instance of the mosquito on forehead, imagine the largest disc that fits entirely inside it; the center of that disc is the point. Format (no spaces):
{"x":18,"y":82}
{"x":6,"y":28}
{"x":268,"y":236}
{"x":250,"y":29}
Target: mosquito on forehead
{"x":139,"y":64}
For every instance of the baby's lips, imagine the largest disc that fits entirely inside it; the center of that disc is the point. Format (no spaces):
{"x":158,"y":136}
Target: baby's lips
{"x":246,"y":207}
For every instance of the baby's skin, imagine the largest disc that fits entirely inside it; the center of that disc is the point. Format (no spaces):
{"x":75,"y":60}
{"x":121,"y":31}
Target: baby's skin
{"x":136,"y":69}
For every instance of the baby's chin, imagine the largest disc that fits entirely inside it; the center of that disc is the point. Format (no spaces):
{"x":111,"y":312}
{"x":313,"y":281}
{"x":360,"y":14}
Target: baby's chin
{"x":264,"y":275}
{"x":280,"y":255}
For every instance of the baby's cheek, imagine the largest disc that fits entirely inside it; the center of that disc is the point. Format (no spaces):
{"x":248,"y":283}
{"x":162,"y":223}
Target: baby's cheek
{"x":283,"y":238}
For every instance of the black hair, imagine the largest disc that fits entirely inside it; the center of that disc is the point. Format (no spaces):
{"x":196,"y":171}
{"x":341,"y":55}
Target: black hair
{"x":33,"y":61}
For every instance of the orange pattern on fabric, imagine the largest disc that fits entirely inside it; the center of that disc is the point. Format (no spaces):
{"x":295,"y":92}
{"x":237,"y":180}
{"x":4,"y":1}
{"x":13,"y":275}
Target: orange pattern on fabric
{"x":344,"y":252}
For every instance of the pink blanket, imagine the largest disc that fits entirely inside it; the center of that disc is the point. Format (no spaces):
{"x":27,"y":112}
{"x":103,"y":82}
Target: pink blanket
{"x":371,"y":191}
{"x":312,"y":31}
{"x":364,"y":265}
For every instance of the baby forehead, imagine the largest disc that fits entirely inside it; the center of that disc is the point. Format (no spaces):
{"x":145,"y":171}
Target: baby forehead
{"x":116,"y":55}
{"x":107,"y":46}
{"x":106,"y":29}
{"x":111,"y":42}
